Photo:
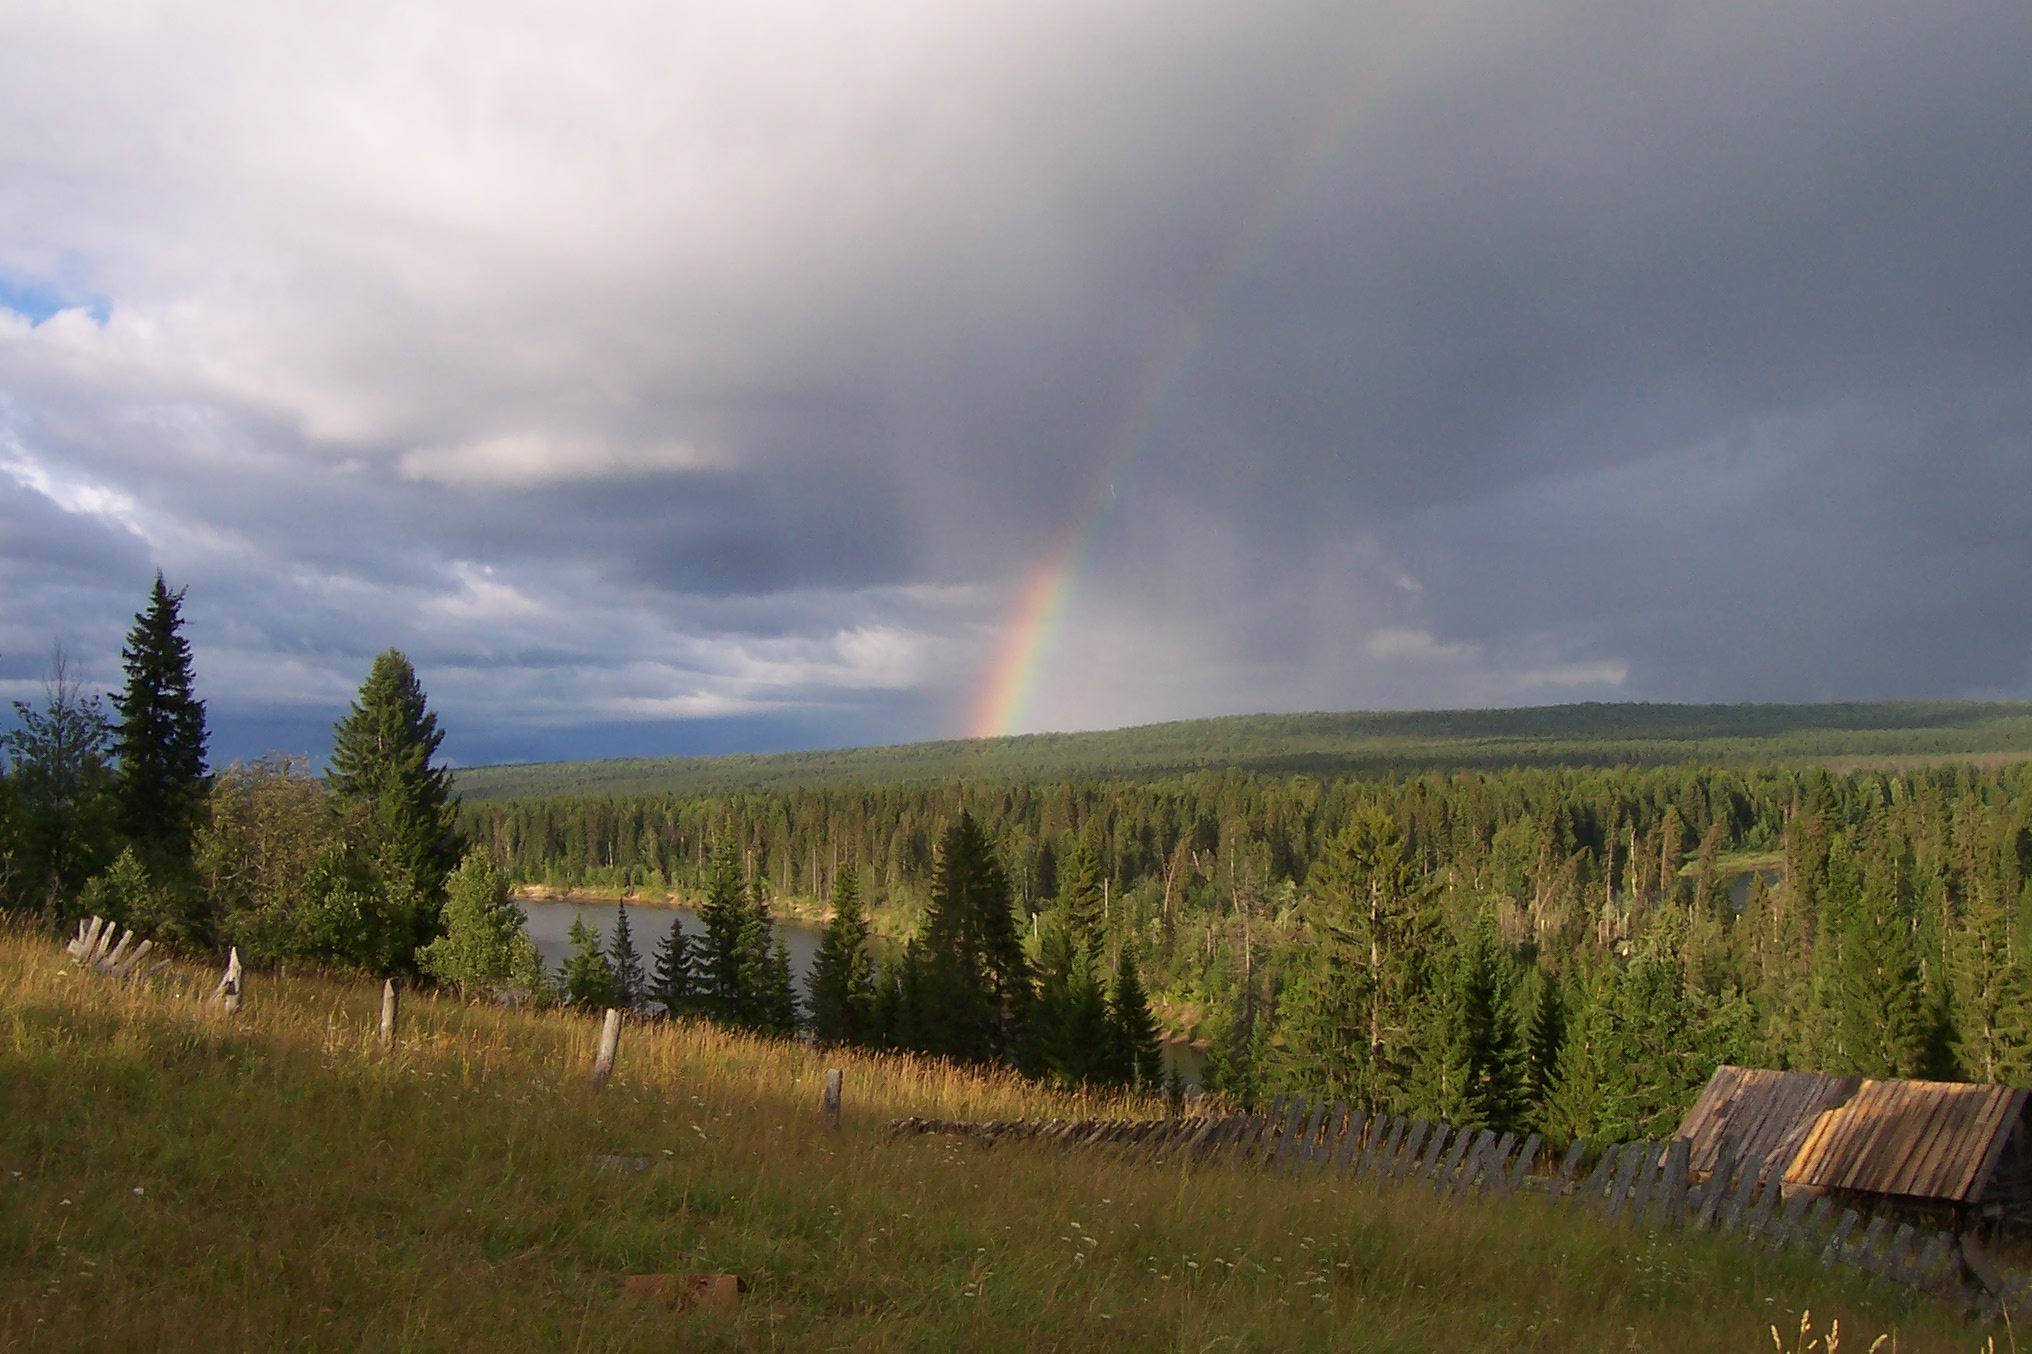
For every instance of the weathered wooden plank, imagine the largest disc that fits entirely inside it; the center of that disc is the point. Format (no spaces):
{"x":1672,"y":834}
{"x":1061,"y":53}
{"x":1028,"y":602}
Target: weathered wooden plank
{"x":1407,"y":1155}
{"x":1595,"y":1188}
{"x":1471,"y":1167}
{"x":1304,"y":1151}
{"x":1715,"y":1192}
{"x":1329,"y":1141}
{"x":1838,"y":1240}
{"x":1496,"y":1166}
{"x":1672,"y":1187}
{"x":1780,"y":1229}
{"x":1646,"y":1185}
{"x":1863,"y":1254}
{"x":1383,"y":1144}
{"x":1936,"y":1260}
{"x":1738,"y":1206}
{"x":1569,"y":1166}
{"x":1287,"y":1136}
{"x":1527,"y":1157}
{"x":1626,"y":1172}
{"x":1898,"y":1254}
{"x":1759,"y":1218}
{"x":1435,"y":1152}
{"x":1442,"y":1179}
{"x":1351,"y":1141}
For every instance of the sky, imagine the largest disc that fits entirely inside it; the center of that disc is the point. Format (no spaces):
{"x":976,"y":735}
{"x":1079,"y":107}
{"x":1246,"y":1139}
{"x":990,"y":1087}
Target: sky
{"x":675,"y":377}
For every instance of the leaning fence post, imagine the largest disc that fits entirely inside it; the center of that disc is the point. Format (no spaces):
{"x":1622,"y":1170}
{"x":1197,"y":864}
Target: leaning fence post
{"x":832,"y":1097}
{"x":391,"y":1000}
{"x":610,"y":1043}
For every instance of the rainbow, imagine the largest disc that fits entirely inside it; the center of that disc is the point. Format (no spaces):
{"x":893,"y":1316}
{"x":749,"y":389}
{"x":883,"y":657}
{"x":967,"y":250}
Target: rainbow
{"x":1031,"y":628}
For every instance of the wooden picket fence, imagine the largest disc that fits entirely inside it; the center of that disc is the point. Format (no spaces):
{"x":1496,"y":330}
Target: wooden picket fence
{"x":1638,"y":1184}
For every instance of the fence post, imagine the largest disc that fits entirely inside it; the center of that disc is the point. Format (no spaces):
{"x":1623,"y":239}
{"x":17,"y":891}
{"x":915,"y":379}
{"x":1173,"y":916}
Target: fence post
{"x":391,"y":1000}
{"x":610,"y":1044}
{"x":832,"y":1097}
{"x":227,"y":993}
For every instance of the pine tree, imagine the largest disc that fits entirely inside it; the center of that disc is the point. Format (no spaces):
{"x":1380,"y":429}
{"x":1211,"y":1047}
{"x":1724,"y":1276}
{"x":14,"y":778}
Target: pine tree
{"x":776,"y":1005}
{"x":1139,"y":1057}
{"x":673,"y":984}
{"x":160,"y":742}
{"x":624,"y":962}
{"x":587,"y":979}
{"x":842,"y":975}
{"x":762,"y":990}
{"x":381,"y":769}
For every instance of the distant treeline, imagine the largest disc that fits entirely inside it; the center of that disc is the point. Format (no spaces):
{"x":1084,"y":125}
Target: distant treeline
{"x":1333,"y":745}
{"x":1557,"y":947}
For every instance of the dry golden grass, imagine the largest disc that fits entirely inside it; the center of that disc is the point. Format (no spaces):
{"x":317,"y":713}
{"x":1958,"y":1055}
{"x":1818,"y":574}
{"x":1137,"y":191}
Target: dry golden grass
{"x":172,"y":1179}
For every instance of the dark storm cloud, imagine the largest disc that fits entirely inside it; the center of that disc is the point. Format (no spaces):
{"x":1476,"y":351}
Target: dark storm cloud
{"x":1466,"y":354}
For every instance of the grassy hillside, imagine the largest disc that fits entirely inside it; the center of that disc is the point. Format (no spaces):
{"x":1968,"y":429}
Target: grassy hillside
{"x":171,"y":1179}
{"x":1337,"y":744}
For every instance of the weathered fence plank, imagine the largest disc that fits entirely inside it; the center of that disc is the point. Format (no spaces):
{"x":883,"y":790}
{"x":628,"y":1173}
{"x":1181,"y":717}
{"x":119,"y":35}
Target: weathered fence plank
{"x":1738,"y":1206}
{"x":1471,"y":1167}
{"x":1435,"y":1151}
{"x":830,"y":1101}
{"x":1442,"y":1179}
{"x":1672,"y":1189}
{"x":1838,"y":1240}
{"x":1527,"y":1157}
{"x":391,"y":1003}
{"x":1407,"y":1155}
{"x":1626,"y":1172}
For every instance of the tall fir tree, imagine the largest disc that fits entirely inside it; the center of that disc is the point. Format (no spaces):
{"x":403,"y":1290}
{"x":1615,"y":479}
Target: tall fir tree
{"x":1544,"y":1039}
{"x":1138,"y":1053}
{"x":673,"y":984}
{"x":842,"y":974}
{"x":975,"y":984}
{"x":723,"y":994}
{"x":1069,"y":1035}
{"x":1081,"y":895}
{"x":160,"y":740}
{"x":381,"y":771}
{"x":626,"y":964}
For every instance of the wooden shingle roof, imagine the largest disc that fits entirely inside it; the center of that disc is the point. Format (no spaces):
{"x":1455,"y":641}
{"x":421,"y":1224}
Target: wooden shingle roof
{"x":1917,"y":1139}
{"x":1765,"y":1115}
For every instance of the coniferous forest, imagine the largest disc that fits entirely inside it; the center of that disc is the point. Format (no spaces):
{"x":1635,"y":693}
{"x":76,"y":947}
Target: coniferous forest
{"x":1567,"y":947}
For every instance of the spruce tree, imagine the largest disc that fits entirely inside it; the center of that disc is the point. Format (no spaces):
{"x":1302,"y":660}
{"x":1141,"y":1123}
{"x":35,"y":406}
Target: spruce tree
{"x":625,"y":963}
{"x":587,"y":979}
{"x":1544,"y":1039}
{"x":1139,"y":1055}
{"x":975,"y":985}
{"x":1069,"y":1034}
{"x":160,"y":742}
{"x":842,"y":975}
{"x":724,"y":914}
{"x":1080,"y":896}
{"x":381,"y":771}
{"x":673,"y":983}
{"x":64,"y":808}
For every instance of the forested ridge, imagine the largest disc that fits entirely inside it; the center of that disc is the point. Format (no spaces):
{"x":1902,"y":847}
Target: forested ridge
{"x":1574,"y":948}
{"x":1334,"y":744}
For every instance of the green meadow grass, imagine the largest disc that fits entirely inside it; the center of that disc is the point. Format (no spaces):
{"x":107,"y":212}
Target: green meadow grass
{"x":174,"y":1179}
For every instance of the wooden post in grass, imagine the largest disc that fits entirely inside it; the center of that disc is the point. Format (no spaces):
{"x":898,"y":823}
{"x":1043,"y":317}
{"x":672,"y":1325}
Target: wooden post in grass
{"x":610,"y":1044}
{"x":227,"y":993}
{"x":391,"y":1002}
{"x":832,"y":1097}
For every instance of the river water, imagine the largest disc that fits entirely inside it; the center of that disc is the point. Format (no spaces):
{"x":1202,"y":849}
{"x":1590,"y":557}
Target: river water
{"x":549,"y":923}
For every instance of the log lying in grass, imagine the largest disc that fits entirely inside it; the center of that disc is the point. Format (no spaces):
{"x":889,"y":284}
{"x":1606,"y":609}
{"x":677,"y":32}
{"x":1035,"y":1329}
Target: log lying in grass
{"x":96,"y":952}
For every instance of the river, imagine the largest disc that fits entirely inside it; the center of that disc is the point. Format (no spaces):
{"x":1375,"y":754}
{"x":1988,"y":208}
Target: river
{"x":549,"y":923}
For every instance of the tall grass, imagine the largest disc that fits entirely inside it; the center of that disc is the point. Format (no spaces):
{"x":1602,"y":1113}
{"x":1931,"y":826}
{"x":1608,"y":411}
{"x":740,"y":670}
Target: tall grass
{"x":170,"y":1178}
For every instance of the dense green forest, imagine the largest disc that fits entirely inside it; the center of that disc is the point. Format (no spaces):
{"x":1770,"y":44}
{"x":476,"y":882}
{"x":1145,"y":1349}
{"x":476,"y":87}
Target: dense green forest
{"x":1574,"y":948}
{"x":1328,"y":745}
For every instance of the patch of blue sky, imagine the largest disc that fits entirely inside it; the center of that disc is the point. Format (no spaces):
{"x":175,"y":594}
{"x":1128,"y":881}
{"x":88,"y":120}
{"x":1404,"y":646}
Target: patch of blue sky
{"x":38,"y":301}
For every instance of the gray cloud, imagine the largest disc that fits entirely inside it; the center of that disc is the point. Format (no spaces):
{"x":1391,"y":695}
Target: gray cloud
{"x":700,"y":375}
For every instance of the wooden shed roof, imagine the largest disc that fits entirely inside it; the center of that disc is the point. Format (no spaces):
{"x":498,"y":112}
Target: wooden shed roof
{"x":1919,"y":1139}
{"x":1765,"y":1115}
